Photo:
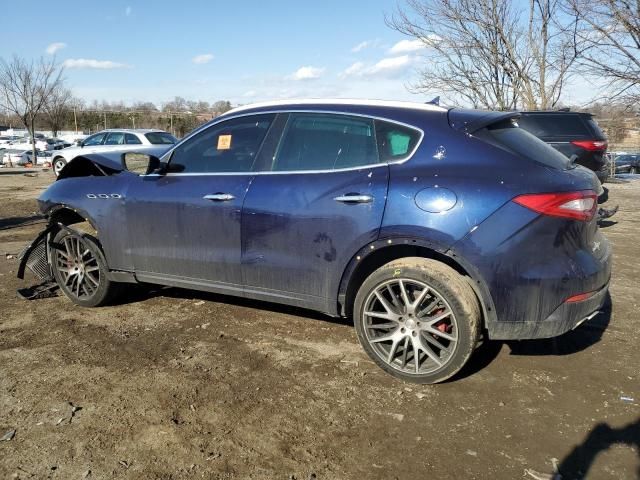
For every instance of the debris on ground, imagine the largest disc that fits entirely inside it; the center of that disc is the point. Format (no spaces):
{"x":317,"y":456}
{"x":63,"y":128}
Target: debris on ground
{"x":398,"y":416}
{"x":197,"y":304}
{"x":627,"y":399}
{"x":8,"y":436}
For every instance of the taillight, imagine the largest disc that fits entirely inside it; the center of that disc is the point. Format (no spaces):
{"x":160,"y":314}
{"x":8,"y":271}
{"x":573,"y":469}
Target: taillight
{"x":577,"y":205}
{"x":591,"y":145}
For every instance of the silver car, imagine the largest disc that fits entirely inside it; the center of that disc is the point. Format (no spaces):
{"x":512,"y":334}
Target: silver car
{"x":112,"y":140}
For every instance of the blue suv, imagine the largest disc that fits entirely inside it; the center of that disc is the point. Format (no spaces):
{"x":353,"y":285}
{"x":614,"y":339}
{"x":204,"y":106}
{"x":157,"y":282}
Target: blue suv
{"x":430,"y":227}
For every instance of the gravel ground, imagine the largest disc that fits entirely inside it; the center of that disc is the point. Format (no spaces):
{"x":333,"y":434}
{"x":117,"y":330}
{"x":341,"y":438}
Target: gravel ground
{"x":176,"y":384}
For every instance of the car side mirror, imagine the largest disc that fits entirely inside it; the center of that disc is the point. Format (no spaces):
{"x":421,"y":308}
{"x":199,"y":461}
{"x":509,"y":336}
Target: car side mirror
{"x":140,"y":163}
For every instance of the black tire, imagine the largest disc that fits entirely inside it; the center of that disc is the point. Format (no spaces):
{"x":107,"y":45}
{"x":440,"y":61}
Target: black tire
{"x":57,"y":165}
{"x":82,"y":290}
{"x":444,"y":283}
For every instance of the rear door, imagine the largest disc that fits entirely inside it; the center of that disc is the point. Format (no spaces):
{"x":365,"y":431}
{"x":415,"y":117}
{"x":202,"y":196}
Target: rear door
{"x":319,"y":199}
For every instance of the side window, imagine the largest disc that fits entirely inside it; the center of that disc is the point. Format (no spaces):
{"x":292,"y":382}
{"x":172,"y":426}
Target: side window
{"x":395,"y":142}
{"x":115,"y":138}
{"x":131,"y":139}
{"x":325,"y":142}
{"x":94,"y":140}
{"x":230,"y":146}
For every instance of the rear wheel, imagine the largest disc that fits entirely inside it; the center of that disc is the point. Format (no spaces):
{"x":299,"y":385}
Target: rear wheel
{"x":58,"y":165}
{"x":80,"y":269}
{"x":418,"y":319}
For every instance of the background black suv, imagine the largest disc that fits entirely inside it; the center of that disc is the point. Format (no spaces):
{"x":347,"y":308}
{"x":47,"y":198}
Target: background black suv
{"x":574,"y":134}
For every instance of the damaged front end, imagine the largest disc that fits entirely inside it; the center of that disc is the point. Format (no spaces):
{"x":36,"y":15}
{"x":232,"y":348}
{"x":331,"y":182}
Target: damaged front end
{"x":37,"y":258}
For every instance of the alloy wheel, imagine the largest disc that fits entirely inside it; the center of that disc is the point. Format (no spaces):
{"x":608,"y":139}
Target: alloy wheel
{"x":58,"y":165}
{"x":78,"y":267}
{"x":410,"y":326}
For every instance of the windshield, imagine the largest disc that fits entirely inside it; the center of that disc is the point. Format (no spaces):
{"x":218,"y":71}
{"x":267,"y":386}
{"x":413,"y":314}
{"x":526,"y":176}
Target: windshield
{"x":160,"y":138}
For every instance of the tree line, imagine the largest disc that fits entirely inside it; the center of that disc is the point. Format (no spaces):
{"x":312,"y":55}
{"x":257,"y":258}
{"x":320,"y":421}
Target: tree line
{"x":33,"y":94}
{"x":503,"y":54}
{"x":494,"y":54}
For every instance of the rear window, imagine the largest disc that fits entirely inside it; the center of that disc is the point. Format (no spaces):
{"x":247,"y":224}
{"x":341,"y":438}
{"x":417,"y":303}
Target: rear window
{"x":508,"y":136}
{"x":552,"y":125}
{"x":160,"y":138}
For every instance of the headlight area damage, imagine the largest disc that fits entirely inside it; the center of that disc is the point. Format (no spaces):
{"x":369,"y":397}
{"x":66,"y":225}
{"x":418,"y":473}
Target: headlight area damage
{"x":38,"y":255}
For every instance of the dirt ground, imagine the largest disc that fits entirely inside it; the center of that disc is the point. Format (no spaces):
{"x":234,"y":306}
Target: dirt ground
{"x":176,"y":384}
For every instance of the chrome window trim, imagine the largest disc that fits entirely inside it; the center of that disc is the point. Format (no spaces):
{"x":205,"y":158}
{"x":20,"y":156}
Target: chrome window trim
{"x":271,"y":172}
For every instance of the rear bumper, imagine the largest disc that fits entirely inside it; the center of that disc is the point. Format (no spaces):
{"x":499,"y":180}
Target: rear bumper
{"x":566,"y":317}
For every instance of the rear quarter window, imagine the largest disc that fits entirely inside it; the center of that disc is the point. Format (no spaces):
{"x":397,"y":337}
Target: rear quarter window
{"x":395,"y":142}
{"x":160,"y":138}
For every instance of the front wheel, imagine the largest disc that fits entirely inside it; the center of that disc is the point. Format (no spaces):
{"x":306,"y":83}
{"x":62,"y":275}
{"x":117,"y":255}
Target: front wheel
{"x":80,"y":269}
{"x":418,"y":319}
{"x":58,"y":165}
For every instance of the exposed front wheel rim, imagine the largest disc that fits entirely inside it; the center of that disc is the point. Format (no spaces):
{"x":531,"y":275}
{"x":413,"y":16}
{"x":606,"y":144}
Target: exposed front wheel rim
{"x":410,"y":326}
{"x":58,"y":165}
{"x":78,"y":267}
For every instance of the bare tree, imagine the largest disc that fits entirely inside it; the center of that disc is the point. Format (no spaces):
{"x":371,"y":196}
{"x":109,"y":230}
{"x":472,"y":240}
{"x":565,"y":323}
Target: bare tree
{"x":25,"y":88}
{"x":610,"y":32}
{"x":57,"y":107}
{"x":495,"y":54}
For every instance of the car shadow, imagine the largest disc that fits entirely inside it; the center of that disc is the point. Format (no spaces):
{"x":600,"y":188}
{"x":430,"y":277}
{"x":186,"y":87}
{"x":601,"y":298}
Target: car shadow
{"x":14,"y":222}
{"x":141,"y":292}
{"x":602,"y":437}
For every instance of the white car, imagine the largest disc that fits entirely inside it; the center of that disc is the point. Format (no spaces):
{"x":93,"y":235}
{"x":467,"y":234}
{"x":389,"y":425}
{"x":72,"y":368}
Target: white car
{"x":110,"y":140}
{"x":7,"y":139}
{"x":12,"y":157}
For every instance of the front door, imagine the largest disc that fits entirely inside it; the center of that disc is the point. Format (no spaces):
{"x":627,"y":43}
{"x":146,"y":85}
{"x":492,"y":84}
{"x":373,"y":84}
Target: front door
{"x":321,"y":200}
{"x":184,"y":227}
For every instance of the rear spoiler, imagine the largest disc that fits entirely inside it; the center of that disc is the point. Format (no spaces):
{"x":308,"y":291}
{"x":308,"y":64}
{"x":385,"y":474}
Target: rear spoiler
{"x":470,"y":121}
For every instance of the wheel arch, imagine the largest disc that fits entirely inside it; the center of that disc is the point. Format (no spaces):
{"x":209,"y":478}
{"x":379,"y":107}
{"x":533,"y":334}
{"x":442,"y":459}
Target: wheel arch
{"x":67,"y":215}
{"x":384,"y":251}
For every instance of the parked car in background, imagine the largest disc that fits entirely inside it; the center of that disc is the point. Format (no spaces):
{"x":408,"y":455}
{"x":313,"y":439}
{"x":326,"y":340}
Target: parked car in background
{"x":7,"y":139}
{"x":574,"y":134}
{"x":112,"y":139}
{"x":426,"y":225}
{"x":14,"y":156}
{"x":628,"y":163}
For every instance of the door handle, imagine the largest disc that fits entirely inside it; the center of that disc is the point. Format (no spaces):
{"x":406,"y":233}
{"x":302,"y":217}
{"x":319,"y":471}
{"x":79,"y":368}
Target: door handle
{"x":219,"y":197}
{"x":354,"y":198}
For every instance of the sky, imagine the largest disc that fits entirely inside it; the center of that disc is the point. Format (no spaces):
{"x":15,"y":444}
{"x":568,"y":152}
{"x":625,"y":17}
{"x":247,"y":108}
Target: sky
{"x":242,"y":51}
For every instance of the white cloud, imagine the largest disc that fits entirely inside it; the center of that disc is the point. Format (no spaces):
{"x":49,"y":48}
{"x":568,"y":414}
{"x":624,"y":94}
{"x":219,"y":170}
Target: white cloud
{"x":54,"y":47}
{"x":307,"y":73}
{"x":127,"y":11}
{"x":353,"y":70}
{"x":250,"y":93}
{"x":361,"y":46}
{"x":406,"y":46}
{"x":91,"y":63}
{"x":201,"y":59}
{"x":385,"y":67}
{"x":390,"y":64}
